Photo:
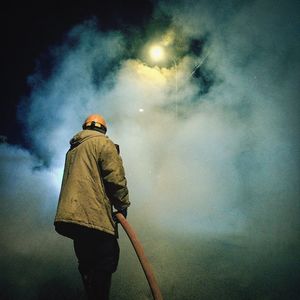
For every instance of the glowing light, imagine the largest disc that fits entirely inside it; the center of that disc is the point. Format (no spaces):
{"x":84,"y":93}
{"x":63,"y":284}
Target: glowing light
{"x":157,"y":53}
{"x":141,"y":110}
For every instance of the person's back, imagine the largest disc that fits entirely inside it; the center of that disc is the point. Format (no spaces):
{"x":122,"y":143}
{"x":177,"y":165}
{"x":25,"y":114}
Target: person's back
{"x":93,"y":182}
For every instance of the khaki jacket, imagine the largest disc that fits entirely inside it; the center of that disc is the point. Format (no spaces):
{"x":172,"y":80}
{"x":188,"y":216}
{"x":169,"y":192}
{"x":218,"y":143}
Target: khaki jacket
{"x":93,"y":182}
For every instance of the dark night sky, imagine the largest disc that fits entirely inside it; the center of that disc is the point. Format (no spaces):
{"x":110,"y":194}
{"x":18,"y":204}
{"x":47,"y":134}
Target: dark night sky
{"x":209,"y":137}
{"x":28,"y":31}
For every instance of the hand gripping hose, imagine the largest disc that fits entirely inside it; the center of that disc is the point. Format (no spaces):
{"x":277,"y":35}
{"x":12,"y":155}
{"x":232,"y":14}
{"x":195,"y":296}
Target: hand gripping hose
{"x":141,"y":256}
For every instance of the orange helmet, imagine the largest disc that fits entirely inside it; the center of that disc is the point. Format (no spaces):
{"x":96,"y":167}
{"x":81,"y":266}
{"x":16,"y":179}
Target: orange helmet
{"x":94,"y":120}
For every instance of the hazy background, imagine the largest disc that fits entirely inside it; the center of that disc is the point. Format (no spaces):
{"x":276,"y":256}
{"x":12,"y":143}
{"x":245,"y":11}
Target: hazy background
{"x":212,"y":162}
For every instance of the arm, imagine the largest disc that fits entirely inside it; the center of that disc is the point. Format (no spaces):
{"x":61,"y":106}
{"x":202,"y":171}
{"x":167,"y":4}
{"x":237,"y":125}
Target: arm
{"x":113,"y":176}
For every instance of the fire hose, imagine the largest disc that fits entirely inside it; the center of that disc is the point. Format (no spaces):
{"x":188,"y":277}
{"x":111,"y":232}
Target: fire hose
{"x":141,"y":256}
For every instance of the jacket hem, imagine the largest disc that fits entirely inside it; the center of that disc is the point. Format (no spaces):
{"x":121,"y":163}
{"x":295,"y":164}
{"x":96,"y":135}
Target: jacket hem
{"x":100,"y":228}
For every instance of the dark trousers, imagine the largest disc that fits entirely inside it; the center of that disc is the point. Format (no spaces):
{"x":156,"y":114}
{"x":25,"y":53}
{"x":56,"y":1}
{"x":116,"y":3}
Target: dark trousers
{"x":98,"y":256}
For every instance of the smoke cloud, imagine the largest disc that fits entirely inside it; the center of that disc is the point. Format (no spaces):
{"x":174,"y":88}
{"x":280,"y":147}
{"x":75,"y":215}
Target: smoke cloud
{"x":211,"y":155}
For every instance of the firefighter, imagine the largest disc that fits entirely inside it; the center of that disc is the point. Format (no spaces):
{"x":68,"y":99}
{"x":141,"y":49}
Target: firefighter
{"x":93,"y":184}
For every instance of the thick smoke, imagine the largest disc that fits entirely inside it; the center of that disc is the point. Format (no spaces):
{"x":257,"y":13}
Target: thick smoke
{"x":211,"y":156}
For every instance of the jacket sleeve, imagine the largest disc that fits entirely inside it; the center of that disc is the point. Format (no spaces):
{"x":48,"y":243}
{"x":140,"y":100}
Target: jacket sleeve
{"x":113,"y":176}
